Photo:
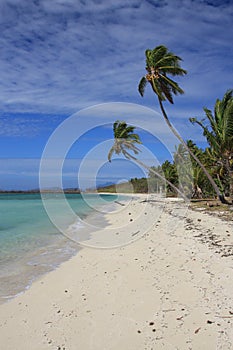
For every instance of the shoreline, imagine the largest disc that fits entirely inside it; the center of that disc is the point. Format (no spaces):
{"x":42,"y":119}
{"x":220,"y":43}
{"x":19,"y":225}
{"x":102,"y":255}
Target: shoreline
{"x":168,"y":288}
{"x":37,"y":263}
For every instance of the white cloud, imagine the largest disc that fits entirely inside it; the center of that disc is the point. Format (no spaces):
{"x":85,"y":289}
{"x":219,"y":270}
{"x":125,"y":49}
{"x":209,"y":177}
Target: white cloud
{"x":27,"y":125}
{"x":61,"y":56}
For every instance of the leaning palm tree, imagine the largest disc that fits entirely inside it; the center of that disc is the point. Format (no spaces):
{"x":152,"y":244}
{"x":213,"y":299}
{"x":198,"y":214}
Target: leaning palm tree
{"x":218,"y":130}
{"x":124,"y":141}
{"x":159,"y":64}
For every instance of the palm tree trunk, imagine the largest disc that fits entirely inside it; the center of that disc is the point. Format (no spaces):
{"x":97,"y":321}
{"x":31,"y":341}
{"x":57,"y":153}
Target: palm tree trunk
{"x":215,"y":187}
{"x":157,"y":174}
{"x":231,"y":185}
{"x":230,"y":174}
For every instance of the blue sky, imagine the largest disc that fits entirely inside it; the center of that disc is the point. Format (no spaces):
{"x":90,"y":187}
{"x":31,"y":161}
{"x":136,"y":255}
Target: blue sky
{"x":59,"y":57}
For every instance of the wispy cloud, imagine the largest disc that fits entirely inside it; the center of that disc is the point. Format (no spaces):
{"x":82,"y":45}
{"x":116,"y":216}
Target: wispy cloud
{"x":26,"y":124}
{"x":62,"y":55}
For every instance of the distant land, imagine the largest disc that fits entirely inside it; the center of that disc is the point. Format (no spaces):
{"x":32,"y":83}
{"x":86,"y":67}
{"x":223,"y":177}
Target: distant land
{"x":132,"y":186}
{"x":52,"y":190}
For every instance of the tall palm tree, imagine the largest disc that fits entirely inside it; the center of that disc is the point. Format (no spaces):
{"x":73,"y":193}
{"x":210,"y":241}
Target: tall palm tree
{"x":219,"y":133}
{"x":124,"y":141}
{"x":159,"y":64}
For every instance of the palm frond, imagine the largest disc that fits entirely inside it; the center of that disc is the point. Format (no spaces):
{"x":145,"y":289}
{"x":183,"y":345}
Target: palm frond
{"x":130,"y":146}
{"x":225,"y":101}
{"x":110,"y":153}
{"x":124,"y":138}
{"x":218,"y":130}
{"x":173,"y":70}
{"x":167,"y":91}
{"x":157,"y":54}
{"x":159,"y":63}
{"x":157,"y":89}
{"x":135,"y":138}
{"x":174,"y":86}
{"x":229,"y":121}
{"x":127,"y":156}
{"x":142,"y":85}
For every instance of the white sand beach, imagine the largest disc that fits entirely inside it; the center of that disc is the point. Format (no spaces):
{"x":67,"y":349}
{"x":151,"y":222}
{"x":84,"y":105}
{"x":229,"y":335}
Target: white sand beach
{"x":160,"y":277}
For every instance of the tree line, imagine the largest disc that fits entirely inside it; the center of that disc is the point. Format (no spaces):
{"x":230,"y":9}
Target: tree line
{"x":194,"y":172}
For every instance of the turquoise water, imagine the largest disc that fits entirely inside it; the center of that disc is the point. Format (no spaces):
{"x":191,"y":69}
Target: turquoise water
{"x":30,"y":244}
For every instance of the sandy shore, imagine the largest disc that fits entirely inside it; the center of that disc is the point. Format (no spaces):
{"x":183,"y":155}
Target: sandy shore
{"x":166,"y":283}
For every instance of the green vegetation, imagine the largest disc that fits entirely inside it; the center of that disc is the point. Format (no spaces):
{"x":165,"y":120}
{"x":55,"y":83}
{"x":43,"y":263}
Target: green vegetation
{"x":133,"y":186}
{"x":184,"y":175}
{"x":159,"y":64}
{"x":207,"y":172}
{"x":218,"y":130}
{"x":169,"y":172}
{"x":124,"y":140}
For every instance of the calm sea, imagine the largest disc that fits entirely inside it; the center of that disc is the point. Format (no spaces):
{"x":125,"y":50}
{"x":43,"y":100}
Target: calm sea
{"x":30,"y":244}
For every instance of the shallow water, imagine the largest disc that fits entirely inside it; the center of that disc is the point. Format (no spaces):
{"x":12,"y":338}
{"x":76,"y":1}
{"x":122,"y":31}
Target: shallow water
{"x":30,"y":244}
